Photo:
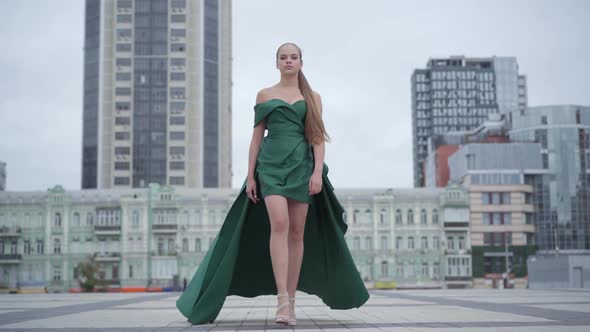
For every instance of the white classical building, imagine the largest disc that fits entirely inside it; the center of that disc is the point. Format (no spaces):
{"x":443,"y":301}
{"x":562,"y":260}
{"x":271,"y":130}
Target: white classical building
{"x":156,"y":237}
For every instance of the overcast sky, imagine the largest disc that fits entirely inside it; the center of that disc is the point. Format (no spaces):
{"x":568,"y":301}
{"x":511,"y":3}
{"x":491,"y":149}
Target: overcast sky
{"x":359,"y":55}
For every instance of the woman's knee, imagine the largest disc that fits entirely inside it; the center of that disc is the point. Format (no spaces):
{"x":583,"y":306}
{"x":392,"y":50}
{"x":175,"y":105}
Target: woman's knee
{"x":296,"y":231}
{"x":279,"y":225}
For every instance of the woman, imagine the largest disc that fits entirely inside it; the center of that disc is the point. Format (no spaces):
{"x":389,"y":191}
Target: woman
{"x":288,"y":199}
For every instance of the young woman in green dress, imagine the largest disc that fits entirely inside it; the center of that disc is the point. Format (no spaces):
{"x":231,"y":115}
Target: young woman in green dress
{"x":287,"y":202}
{"x":287,"y":198}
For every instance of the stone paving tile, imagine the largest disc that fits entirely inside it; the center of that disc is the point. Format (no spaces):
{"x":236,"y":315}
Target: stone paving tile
{"x":436,"y":310}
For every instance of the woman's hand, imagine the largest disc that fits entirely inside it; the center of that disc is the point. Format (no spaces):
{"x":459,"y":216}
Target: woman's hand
{"x":251,"y":190}
{"x":315,"y":183}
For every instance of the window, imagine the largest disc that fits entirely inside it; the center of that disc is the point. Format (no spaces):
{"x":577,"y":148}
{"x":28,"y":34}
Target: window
{"x":495,"y":198}
{"x":411,"y":242}
{"x":451,"y":243}
{"x":410,"y":217}
{"x":461,"y":243}
{"x":89,"y":219}
{"x":177,"y":76}
{"x":355,"y":216}
{"x":384,"y":242}
{"x":123,"y":91}
{"x":122,"y":121}
{"x":425,"y":271}
{"x":507,"y":218}
{"x":435,"y":242}
{"x":135,"y":218}
{"x":369,"y":243}
{"x":177,"y":120}
{"x":497,"y":238}
{"x":545,"y":160}
{"x":369,"y":216}
{"x":124,"y":18}
{"x":423,"y":217}
{"x":435,"y":270}
{"x":177,"y":135}
{"x":356,"y":243}
{"x":398,"y":217}
{"x":435,"y":216}
{"x":122,"y":136}
{"x":177,"y":150}
{"x":76,"y":219}
{"x":178,"y":3}
{"x":40,"y":247}
{"x":177,"y":107}
{"x":121,"y":181}
{"x":177,"y":180}
{"x":124,"y":34}
{"x":178,"y":18}
{"x":185,"y":245}
{"x":122,"y":165}
{"x":399,"y":242}
{"x":56,"y":246}
{"x":177,"y":34}
{"x":177,"y":93}
{"x":384,"y":269}
{"x":424,"y":242}
{"x":123,"y":62}
{"x":27,"y":247}
{"x":122,"y":106}
{"x":177,"y":63}
{"x":115,"y":272}
{"x":56,"y":274}
{"x":198,"y":245}
{"x":123,"y":47}
{"x":123,"y":76}
{"x":177,"y":47}
{"x":57,"y":220}
{"x":124,"y":4}
{"x":177,"y":165}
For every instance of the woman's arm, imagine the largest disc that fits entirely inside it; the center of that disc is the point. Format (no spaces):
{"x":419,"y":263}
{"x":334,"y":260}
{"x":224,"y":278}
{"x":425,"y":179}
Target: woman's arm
{"x":319,"y":152}
{"x":255,"y":142}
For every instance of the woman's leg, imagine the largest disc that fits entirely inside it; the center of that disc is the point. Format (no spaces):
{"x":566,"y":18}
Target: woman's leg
{"x":279,"y":252}
{"x":297,"y":217}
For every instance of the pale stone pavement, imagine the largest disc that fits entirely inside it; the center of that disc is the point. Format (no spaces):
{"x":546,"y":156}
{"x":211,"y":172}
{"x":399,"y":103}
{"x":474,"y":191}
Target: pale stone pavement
{"x":416,"y":310}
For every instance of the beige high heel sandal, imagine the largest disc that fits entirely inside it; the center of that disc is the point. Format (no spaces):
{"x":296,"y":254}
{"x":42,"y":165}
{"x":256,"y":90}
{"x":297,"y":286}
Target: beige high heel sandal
{"x":282,"y":318}
{"x":292,"y":318}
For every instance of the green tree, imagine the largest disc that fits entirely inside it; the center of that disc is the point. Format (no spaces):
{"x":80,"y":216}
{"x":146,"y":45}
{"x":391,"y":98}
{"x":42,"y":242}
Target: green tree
{"x":88,"y":274}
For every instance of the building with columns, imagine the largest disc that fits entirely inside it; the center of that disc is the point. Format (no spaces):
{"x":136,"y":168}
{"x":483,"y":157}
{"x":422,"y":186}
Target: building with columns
{"x":155,"y":237}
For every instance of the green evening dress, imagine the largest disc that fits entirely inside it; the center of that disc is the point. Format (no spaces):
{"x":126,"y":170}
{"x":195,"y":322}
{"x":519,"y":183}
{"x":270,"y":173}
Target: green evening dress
{"x":238,"y":262}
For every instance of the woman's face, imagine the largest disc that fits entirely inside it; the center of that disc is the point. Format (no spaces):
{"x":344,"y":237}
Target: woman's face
{"x":288,"y":60}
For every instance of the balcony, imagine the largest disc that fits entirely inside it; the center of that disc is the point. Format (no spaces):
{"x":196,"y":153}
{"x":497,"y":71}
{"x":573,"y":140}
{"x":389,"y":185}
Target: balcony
{"x":108,"y":256}
{"x":107,"y":229}
{"x":56,"y":230}
{"x":457,"y":278}
{"x":165,"y":228}
{"x":10,"y":258}
{"x":163,"y":253}
{"x":457,"y":251}
{"x":457,"y":225}
{"x":6,"y":231}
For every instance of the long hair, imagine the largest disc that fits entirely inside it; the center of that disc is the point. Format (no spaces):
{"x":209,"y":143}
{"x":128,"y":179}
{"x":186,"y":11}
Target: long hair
{"x":315,"y":131}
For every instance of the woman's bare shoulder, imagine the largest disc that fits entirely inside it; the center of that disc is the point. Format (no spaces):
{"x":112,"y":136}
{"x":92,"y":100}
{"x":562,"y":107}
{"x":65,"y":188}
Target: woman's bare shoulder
{"x":264,"y":95}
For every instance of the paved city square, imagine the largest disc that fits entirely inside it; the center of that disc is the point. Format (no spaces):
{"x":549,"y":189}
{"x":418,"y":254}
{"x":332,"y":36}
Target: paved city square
{"x":416,"y":310}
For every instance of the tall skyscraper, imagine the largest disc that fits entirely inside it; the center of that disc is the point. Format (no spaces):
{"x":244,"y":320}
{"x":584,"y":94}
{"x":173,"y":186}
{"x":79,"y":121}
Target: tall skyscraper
{"x":157,"y":93}
{"x":457,"y":94}
{"x":562,"y":188}
{"x":2,"y":176}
